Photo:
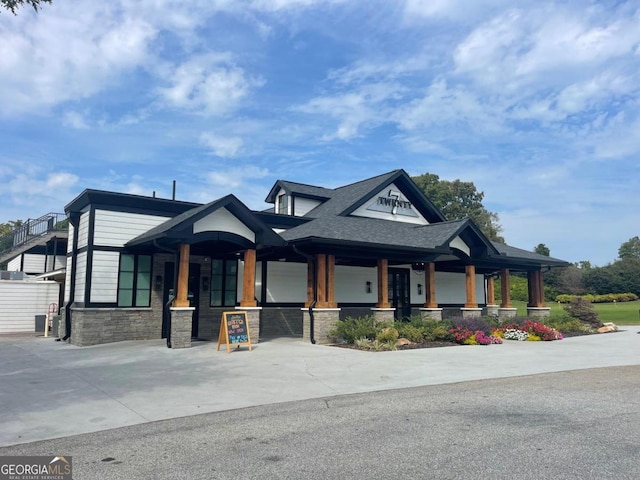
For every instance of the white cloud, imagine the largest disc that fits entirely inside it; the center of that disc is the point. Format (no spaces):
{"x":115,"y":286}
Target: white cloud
{"x":235,"y":177}
{"x":75,"y":120}
{"x":66,"y":54}
{"x":365,"y":106}
{"x":207,"y":84}
{"x":222,"y":146}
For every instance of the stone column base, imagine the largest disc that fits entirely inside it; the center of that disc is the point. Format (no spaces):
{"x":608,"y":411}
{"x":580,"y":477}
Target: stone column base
{"x":324,"y":320}
{"x":383,"y":314}
{"x":507,"y":312}
{"x":492,"y":310}
{"x":471,"y":312}
{"x":181,"y":324}
{"x":538,"y":312}
{"x":253,"y":318}
{"x":431,"y":313}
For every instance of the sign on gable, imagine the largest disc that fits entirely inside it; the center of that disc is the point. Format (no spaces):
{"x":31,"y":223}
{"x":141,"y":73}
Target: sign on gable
{"x":391,"y":204}
{"x":392,"y":201}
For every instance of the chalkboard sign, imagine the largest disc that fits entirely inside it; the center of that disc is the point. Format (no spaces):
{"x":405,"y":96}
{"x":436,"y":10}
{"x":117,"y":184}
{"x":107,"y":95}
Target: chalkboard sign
{"x":234,"y":330}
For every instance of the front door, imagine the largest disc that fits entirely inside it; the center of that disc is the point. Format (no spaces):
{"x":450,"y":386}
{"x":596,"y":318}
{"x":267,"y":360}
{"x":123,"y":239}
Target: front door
{"x":399,"y":292}
{"x":194,"y":295}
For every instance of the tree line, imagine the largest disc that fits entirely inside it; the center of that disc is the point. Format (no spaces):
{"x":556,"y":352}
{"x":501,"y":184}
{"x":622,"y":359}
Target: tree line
{"x":620,"y":276}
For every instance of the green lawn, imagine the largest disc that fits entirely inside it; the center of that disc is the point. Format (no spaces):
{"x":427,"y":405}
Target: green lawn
{"x":623,"y":313}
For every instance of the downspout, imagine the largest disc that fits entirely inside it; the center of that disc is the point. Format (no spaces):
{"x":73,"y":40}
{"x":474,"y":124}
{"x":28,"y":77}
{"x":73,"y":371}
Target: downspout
{"x":72,"y":280}
{"x":171,"y":297}
{"x":315,"y":291}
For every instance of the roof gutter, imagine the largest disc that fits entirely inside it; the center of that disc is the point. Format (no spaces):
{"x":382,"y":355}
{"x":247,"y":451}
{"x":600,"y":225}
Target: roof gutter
{"x":312,"y":259}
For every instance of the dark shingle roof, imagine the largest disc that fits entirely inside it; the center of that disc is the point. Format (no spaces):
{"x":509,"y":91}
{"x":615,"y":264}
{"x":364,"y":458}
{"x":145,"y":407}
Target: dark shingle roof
{"x":374,"y":231}
{"x":518,"y":253}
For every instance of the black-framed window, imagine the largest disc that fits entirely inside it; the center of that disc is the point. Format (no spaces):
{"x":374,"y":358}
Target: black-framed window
{"x":224,"y":282}
{"x":283,"y":204}
{"x":134,"y":280}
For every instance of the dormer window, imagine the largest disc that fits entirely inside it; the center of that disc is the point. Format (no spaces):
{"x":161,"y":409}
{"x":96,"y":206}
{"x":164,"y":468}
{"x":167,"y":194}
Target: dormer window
{"x":283,"y":204}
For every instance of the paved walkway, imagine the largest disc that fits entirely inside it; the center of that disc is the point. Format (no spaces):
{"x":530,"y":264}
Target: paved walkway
{"x":51,"y":389}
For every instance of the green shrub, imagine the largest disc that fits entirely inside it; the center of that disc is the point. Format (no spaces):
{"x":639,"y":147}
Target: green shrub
{"x":564,"y":323}
{"x":606,"y":298}
{"x":583,"y":310}
{"x":410,"y":332}
{"x":436,"y":330}
{"x":353,"y":328}
{"x":387,"y":334}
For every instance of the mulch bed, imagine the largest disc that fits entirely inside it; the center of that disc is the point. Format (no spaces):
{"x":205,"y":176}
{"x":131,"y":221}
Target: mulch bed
{"x":411,"y":346}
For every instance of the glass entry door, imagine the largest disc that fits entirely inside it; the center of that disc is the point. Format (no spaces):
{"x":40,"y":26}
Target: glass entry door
{"x":399,"y":292}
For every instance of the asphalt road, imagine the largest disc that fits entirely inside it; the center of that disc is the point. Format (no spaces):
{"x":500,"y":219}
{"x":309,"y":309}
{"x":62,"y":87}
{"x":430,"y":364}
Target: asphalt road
{"x":570,"y":425}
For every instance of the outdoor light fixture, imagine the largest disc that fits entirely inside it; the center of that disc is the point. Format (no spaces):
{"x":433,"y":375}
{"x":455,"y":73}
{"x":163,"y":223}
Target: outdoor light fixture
{"x":205,"y":284}
{"x":368,"y":287}
{"x":158,"y":282}
{"x":419,"y":289}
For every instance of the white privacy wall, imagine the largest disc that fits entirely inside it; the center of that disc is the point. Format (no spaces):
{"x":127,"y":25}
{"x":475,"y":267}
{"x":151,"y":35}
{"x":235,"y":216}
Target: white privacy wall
{"x":21,"y":301}
{"x":286,"y":282}
{"x":104,"y":277}
{"x":351,"y":284}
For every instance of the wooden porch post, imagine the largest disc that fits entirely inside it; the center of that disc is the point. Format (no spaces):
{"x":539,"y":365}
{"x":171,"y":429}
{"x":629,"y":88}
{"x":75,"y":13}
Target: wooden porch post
{"x":540,"y":289}
{"x":249,"y":279}
{"x":331,"y":281}
{"x":321,"y":262}
{"x":430,"y":285}
{"x":491,"y":295}
{"x":383,"y":284}
{"x":505,"y":289}
{"x":532,"y":289}
{"x":470,"y":277}
{"x":181,"y":299}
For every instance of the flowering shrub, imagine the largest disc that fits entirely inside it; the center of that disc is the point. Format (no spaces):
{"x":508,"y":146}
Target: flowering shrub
{"x":529,"y":330}
{"x":465,"y":336}
{"x":515,"y":334}
{"x":495,"y":339}
{"x":460,"y":335}
{"x":482,"y":338}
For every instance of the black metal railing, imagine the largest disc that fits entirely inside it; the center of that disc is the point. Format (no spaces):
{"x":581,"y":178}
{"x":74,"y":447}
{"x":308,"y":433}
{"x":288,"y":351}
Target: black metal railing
{"x":33,"y":228}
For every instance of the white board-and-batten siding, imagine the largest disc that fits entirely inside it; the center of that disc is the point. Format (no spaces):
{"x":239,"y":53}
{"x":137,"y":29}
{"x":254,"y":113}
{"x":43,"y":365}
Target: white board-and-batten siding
{"x":15,"y":264}
{"x":114,"y":229}
{"x":104,"y":277}
{"x":81,"y":276}
{"x":304,"y":205}
{"x":67,"y":282}
{"x":72,"y":231}
{"x":21,"y":301}
{"x":83,"y":230}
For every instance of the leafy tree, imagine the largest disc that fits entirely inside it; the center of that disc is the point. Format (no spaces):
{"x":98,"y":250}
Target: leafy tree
{"x":6,"y":239}
{"x":542,"y":249}
{"x":458,"y":200}
{"x":619,"y":277}
{"x":630,"y":249}
{"x":13,"y":5}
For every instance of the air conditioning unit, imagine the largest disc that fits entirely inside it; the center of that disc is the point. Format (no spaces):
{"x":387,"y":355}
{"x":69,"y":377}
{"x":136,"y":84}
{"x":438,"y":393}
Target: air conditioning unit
{"x":4,"y":275}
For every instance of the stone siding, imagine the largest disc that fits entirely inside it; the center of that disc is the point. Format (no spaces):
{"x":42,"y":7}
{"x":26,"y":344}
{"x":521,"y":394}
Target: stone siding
{"x":324,"y":321}
{"x":181,"y":327}
{"x":92,"y":326}
{"x":281,"y":322}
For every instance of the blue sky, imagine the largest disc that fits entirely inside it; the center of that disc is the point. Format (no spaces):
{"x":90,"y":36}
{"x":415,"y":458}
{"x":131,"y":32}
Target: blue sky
{"x":537,"y":103}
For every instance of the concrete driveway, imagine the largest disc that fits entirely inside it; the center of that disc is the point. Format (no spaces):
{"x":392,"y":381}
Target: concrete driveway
{"x":50,"y":389}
